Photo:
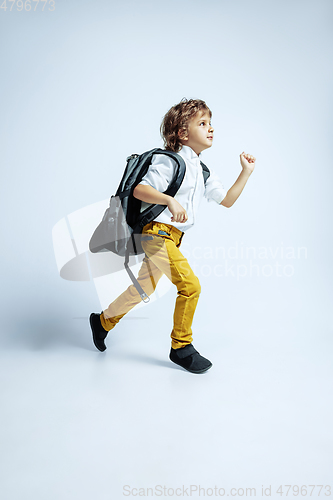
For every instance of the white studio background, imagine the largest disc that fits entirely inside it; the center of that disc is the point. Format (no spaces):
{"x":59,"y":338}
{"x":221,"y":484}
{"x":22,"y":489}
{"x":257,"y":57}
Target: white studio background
{"x":82,"y":87}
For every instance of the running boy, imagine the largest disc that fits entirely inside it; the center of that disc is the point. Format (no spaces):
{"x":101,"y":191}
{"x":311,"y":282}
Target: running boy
{"x":187,"y":130}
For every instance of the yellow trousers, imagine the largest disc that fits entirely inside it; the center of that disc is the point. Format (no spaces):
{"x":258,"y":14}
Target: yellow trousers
{"x":161,"y":243}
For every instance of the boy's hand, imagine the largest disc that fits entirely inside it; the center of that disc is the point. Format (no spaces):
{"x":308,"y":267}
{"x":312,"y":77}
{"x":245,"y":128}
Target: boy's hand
{"x":247,"y":162}
{"x":178,"y":212}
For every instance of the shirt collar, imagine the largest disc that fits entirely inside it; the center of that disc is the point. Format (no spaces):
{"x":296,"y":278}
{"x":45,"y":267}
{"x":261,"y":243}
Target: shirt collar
{"x":187,"y":152}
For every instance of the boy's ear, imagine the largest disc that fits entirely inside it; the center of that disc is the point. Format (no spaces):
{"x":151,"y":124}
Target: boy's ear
{"x":182,"y":135}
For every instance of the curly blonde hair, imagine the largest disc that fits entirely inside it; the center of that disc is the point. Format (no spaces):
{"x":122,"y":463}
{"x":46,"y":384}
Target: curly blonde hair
{"x":177,"y":119}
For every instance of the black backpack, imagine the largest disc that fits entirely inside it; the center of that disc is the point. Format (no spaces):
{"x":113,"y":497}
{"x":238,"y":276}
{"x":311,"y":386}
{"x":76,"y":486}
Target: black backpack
{"x":121,"y":227}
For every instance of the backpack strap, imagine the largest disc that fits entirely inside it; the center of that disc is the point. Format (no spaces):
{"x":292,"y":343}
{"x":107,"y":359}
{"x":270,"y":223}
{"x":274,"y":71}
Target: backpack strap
{"x":154,"y":211}
{"x":135,"y":282}
{"x":205,"y":171}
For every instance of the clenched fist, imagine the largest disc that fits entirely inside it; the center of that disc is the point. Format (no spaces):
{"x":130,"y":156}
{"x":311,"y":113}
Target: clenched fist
{"x":247,"y":162}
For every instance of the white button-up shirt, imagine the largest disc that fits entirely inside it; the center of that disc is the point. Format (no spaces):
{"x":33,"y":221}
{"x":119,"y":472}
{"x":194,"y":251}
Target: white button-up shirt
{"x":161,"y":172}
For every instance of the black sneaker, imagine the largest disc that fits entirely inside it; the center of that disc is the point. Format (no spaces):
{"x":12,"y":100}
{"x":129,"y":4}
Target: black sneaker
{"x":98,"y":332}
{"x":189,"y":358}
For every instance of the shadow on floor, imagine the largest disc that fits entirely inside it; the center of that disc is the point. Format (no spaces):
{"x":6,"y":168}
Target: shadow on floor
{"x":42,"y":334}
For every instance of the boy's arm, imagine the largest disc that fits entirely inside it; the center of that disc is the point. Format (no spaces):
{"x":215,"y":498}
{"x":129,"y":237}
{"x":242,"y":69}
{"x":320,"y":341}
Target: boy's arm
{"x":235,"y":190}
{"x":149,"y":194}
{"x":248,"y":164}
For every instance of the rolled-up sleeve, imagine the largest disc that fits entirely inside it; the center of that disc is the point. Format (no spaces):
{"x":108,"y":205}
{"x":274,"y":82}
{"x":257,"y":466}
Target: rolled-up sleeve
{"x":214,"y":189}
{"x":160,"y":173}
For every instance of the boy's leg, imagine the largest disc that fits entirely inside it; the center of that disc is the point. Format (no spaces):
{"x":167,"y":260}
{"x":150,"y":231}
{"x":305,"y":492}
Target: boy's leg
{"x":148,"y":278}
{"x":163,"y":251}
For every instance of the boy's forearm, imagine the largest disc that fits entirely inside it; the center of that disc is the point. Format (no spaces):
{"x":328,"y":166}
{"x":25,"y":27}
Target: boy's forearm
{"x":149,"y":194}
{"x":236,"y":189}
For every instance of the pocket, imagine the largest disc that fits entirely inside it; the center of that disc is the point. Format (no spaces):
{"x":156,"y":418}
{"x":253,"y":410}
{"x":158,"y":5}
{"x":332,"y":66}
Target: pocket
{"x":154,"y":230}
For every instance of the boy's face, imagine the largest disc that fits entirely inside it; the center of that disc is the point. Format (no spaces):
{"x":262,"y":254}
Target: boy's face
{"x":200,"y":132}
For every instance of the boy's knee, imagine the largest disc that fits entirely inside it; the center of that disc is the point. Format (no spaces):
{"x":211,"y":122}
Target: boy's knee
{"x":197,"y":285}
{"x":192,"y":287}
